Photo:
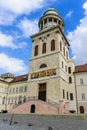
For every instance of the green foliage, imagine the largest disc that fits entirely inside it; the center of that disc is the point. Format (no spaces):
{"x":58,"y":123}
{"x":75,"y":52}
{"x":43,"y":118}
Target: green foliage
{"x":4,"y":111}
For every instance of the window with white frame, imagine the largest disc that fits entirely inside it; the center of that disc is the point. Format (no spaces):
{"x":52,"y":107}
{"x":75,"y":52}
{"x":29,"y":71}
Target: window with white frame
{"x":81,"y":81}
{"x":83,"y":96}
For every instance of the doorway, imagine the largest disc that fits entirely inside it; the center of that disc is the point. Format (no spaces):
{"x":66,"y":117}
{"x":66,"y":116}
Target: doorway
{"x":32,"y":108}
{"x":42,"y":92}
{"x":81,"y":109}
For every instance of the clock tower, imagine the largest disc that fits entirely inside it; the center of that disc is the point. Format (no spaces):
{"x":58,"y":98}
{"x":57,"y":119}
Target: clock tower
{"x":48,"y":74}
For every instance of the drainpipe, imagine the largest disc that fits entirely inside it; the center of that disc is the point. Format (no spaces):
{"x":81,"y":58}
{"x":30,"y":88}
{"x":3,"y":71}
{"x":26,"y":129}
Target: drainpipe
{"x":76,"y":92}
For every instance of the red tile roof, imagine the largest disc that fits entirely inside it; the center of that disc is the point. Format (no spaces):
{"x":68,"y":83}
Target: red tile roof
{"x":20,"y":78}
{"x":81,"y":68}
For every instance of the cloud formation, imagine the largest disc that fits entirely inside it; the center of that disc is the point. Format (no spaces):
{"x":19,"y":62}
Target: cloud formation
{"x":28,"y":27}
{"x":13,"y":65}
{"x":78,"y":40}
{"x":10,"y":9}
{"x":20,"y":6}
{"x":8,"y":41}
{"x":68,"y":15}
{"x":6,"y":17}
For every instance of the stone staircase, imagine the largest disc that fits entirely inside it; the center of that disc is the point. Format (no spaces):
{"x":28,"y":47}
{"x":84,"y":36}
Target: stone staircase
{"x":41,"y":107}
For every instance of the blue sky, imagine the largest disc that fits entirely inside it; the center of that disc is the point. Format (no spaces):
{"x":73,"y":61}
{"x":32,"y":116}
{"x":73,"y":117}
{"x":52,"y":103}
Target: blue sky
{"x":19,"y":20}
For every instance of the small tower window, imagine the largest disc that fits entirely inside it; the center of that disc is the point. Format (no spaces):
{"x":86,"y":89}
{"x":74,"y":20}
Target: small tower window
{"x":64,"y":51}
{"x":50,"y":19}
{"x":45,"y":21}
{"x":70,"y":79}
{"x":52,"y":45}
{"x":60,"y":46}
{"x":36,"y":50}
{"x":44,"y":48}
{"x":62,"y":64}
{"x":69,"y":70}
{"x":66,"y":54}
{"x":55,"y":20}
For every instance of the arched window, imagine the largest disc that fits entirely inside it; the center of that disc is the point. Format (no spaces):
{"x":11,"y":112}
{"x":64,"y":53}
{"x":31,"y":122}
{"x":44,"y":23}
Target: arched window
{"x":52,"y":45}
{"x":44,"y":48}
{"x":69,"y":70}
{"x":36,"y":50}
{"x":81,"y":109}
{"x":43,"y":65}
{"x":32,"y":110}
{"x":70,"y":79}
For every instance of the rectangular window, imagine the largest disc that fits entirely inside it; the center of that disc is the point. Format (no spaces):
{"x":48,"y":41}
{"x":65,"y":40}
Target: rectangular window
{"x":13,"y":90}
{"x":63,"y":93}
{"x":70,"y":79}
{"x":25,"y":89}
{"x":16,"y":90}
{"x":62,"y":64}
{"x":71,"y":96}
{"x":67,"y":95}
{"x":10,"y":90}
{"x":66,"y":68}
{"x":83,"y":96}
{"x":81,"y":81}
{"x":21,"y":89}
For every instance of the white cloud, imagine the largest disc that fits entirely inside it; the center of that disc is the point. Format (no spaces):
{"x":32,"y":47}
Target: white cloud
{"x":68,"y":15}
{"x":28,"y":27}
{"x":7,"y":18}
{"x":78,"y":40}
{"x":21,"y":6}
{"x":12,"y":65}
{"x":8,"y":41}
{"x":85,"y":7}
{"x":10,"y":9}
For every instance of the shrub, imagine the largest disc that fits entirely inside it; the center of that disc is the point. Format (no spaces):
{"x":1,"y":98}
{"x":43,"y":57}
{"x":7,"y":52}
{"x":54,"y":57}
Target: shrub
{"x":4,"y":111}
{"x":72,"y":111}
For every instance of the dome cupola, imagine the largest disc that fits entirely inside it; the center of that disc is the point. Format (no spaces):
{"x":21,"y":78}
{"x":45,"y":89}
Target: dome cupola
{"x":50,"y":19}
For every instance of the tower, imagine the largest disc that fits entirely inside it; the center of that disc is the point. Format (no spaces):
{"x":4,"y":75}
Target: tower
{"x":48,"y":76}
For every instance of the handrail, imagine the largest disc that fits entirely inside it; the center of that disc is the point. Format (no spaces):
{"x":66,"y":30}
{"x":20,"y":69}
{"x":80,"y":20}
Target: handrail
{"x":35,"y":98}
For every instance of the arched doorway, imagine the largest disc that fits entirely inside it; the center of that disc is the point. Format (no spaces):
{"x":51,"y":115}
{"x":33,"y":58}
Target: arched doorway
{"x":81,"y":109}
{"x":42,"y":92}
{"x":32,"y":110}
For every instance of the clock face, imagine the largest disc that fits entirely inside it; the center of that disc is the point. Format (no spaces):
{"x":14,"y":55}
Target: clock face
{"x":44,"y":38}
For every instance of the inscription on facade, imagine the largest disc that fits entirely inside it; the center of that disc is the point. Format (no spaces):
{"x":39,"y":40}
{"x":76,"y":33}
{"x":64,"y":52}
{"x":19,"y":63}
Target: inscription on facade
{"x":45,"y":73}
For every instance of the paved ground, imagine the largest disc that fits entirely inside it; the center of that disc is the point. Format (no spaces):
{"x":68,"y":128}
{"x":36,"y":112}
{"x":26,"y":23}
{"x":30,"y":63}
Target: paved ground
{"x":31,"y":122}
